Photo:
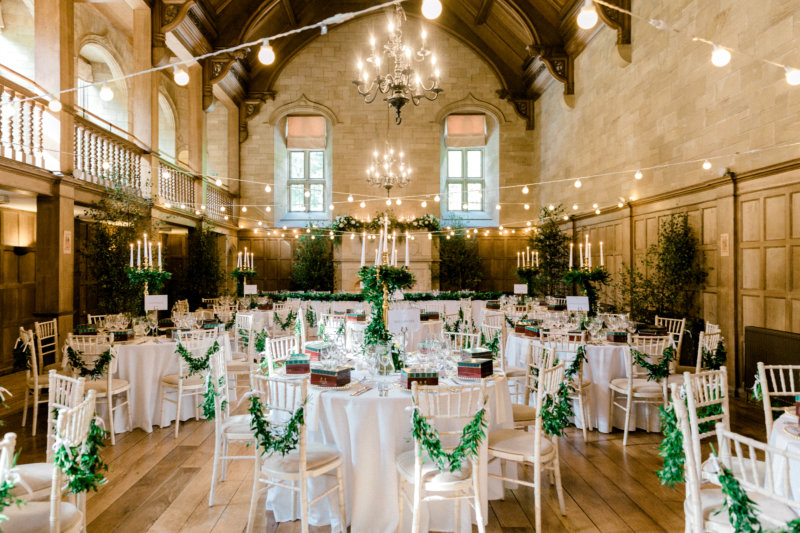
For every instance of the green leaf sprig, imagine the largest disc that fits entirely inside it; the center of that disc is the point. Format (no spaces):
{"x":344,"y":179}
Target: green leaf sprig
{"x":655,"y":371}
{"x":281,"y":442}
{"x":74,"y":358}
{"x":285,"y":324}
{"x":82,"y":465}
{"x":428,"y":437}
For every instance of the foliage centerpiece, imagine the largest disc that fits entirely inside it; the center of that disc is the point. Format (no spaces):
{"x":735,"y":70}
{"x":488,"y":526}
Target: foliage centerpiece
{"x":147,"y":275}
{"x":531,"y":276}
{"x":589,"y":280}
{"x":378,"y":283}
{"x":552,"y":245}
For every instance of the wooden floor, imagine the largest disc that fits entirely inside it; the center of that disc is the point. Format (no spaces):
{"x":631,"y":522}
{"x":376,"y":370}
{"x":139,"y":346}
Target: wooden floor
{"x":159,"y":484}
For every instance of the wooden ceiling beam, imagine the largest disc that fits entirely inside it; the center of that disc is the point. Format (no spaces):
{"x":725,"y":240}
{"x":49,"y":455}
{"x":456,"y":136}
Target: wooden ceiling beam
{"x":483,"y":11}
{"x":287,"y":6}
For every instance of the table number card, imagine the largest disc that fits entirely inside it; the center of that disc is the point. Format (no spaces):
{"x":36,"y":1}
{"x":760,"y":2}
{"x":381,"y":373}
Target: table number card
{"x":520,"y":288}
{"x":577,"y":303}
{"x":251,"y":289}
{"x":156,"y":302}
{"x":404,"y":318}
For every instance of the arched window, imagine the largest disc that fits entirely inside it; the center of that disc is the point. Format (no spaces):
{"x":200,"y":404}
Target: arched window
{"x":95,"y":66}
{"x":16,"y":37}
{"x":470,"y":169}
{"x":303,"y":169}
{"x":166,"y":128}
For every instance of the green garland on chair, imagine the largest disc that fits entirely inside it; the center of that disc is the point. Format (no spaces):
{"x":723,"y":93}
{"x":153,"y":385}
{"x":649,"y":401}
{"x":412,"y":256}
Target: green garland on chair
{"x":511,"y":323}
{"x":260,"y":341}
{"x":290,"y":318}
{"x":97,"y":370}
{"x":311,"y":318}
{"x":197,"y":364}
{"x":493,"y":345}
{"x":22,"y":355}
{"x":471,"y":437}
{"x":211,"y":394}
{"x":557,"y":409}
{"x":716,"y":359}
{"x":655,"y":371}
{"x":283,"y":442}
{"x":6,"y":499}
{"x":82,"y":465}
{"x":671,"y":448}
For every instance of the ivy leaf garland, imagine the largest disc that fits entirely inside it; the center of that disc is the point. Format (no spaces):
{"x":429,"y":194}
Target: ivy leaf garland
{"x":671,"y":448}
{"x":493,"y":345}
{"x":22,"y":354}
{"x":82,"y":465}
{"x":428,"y":437}
{"x":290,"y":318}
{"x":741,"y":509}
{"x":655,"y":371}
{"x":281,"y":442}
{"x":557,"y":409}
{"x":511,"y":323}
{"x":589,"y":282}
{"x":211,"y":395}
{"x":197,"y":365}
{"x":155,"y":278}
{"x":6,"y":499}
{"x":311,"y":318}
{"x":96,"y":371}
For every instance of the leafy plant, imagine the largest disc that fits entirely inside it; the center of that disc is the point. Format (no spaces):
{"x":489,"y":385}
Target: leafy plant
{"x":82,"y":465}
{"x":588,"y":282}
{"x":471,"y":437}
{"x":205,"y":276}
{"x":553,"y":247}
{"x":282,"y":442}
{"x":312,"y":269}
{"x":460,"y":266}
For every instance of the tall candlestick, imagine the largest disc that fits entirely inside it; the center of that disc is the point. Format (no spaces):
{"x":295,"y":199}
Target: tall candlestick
{"x":537,"y":259}
{"x":380,"y":243}
{"x":377,"y":255}
{"x":589,"y":254}
{"x":394,"y":257}
{"x":571,"y":246}
{"x":150,"y":254}
{"x":602,"y":261}
{"x":518,"y":255}
{"x":159,"y":254}
{"x":239,"y":260}
{"x":385,"y":234}
{"x":587,"y":239}
{"x":394,"y":244}
{"x":407,"y":239}
{"x":252,"y":261}
{"x":580,"y":254}
{"x":131,"y":255}
{"x":145,"y":246}
{"x":245,"y":258}
{"x":363,"y":247}
{"x":138,"y":254}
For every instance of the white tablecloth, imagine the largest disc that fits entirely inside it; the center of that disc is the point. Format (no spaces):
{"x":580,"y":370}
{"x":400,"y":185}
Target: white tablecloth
{"x":371,"y":432}
{"x":606,"y":362}
{"x":427,"y":329}
{"x":143,"y":365}
{"x":780,"y":439}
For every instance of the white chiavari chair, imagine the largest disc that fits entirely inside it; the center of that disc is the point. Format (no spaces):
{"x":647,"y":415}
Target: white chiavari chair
{"x":712,"y":328}
{"x":458,"y":340}
{"x":635,"y":387}
{"x":181,"y":306}
{"x":96,"y":319}
{"x":184,"y":385}
{"x":705,"y":342}
{"x":777,"y":381}
{"x":228,"y":428}
{"x":434,"y":306}
{"x":487,"y":335}
{"x":209,"y":302}
{"x":280,"y":399}
{"x":448,"y":410}
{"x":769,"y":488}
{"x":89,"y":349}
{"x":36,"y":379}
{"x":565,"y":348}
{"x":243,"y":337}
{"x":47,"y":345}
{"x":494,"y":318}
{"x":539,"y":358}
{"x":197,"y":335}
{"x":278,"y":350}
{"x":332,"y":324}
{"x":675,"y":327}
{"x":532,"y":448}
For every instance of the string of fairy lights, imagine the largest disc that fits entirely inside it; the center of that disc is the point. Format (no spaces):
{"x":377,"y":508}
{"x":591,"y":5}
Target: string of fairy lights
{"x":587,"y":18}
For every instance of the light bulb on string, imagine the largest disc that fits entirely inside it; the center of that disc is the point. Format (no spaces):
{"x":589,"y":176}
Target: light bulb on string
{"x":267,"y":188}
{"x":218,"y":182}
{"x":578,"y":183}
{"x":436,"y":198}
{"x":551,"y":207}
{"x":350,"y":198}
{"x":720,"y":56}
{"x":638,"y":175}
{"x":54,"y":106}
{"x":106,"y":94}
{"x":398,"y":201}
{"x":525,"y":190}
{"x":362,"y":205}
{"x":244,"y":209}
{"x":330,"y":207}
{"x":574,"y":207}
{"x":269,"y":209}
{"x":594,"y":206}
{"x":388,"y":201}
{"x":587,"y":17}
{"x":527,"y":206}
{"x":498,"y":207}
{"x":566,"y":217}
{"x":424,"y":204}
{"x":266,"y":55}
{"x":792,"y":76}
{"x":431,"y":9}
{"x":706,"y":165}
{"x":596,"y":211}
{"x":260,"y":223}
{"x":180,"y":76}
{"x":307,"y":194}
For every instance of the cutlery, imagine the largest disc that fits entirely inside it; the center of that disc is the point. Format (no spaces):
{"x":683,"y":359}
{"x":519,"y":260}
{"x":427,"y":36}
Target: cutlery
{"x":361,"y":391}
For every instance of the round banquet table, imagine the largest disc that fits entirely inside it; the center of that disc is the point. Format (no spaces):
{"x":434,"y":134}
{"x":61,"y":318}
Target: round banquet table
{"x":143,"y":362}
{"x":779,"y":438}
{"x":371,"y":432}
{"x":428,"y":329}
{"x":606,"y":362}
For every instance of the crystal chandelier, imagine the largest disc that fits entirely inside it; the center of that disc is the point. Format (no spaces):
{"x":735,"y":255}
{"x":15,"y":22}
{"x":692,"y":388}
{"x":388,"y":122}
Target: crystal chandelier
{"x":403,"y":82}
{"x":388,"y":170}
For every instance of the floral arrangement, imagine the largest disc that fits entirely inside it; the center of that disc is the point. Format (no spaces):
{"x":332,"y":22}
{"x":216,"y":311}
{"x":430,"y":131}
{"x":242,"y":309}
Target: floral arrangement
{"x":155,"y":279}
{"x":240,"y":273}
{"x":530,"y":275}
{"x":349,"y":224}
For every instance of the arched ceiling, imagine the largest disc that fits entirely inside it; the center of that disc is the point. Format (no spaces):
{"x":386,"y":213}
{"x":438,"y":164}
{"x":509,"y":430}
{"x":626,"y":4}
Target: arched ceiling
{"x":528,"y":43}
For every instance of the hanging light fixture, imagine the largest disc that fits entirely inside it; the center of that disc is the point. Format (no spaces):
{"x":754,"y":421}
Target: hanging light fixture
{"x":266,"y":55}
{"x":587,"y":16}
{"x":720,"y":56}
{"x":388,"y":170}
{"x":106,"y":94}
{"x":180,"y":76}
{"x":402,"y":83}
{"x":431,"y":9}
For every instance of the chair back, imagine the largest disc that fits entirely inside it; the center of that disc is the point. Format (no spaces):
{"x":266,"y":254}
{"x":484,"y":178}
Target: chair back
{"x":96,"y":319}
{"x":459,"y":340}
{"x":280,"y":307}
{"x":777,"y":381}
{"x":541,"y":358}
{"x":7,"y":455}
{"x":706,"y":342}
{"x":219,"y":375}
{"x":46,"y":343}
{"x":197,"y":334}
{"x":652,"y":347}
{"x":197,"y":348}
{"x":706,"y":403}
{"x":549,"y":382}
{"x":693,"y":504}
{"x":712,"y":328}
{"x":89,"y":348}
{"x":495,"y":319}
{"x":448,"y":410}
{"x":280,"y":398}
{"x":181,"y":306}
{"x":243,"y":335}
{"x":225,"y":312}
{"x":26,"y":337}
{"x":209,"y":301}
{"x":743,"y":454}
{"x":434,"y":306}
{"x":64,"y":392}
{"x":675,"y":327}
{"x":279,"y":349}
{"x":331,"y":323}
{"x":488,"y":333}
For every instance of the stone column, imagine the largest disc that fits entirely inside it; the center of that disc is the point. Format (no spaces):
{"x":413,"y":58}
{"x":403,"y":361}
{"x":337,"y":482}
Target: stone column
{"x":55,"y":256}
{"x":196,"y":122}
{"x":54,"y":57}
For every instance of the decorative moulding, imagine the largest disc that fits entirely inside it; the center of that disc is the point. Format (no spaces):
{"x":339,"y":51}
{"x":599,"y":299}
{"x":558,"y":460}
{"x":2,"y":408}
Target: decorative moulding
{"x":301,"y":106}
{"x":470,"y":103}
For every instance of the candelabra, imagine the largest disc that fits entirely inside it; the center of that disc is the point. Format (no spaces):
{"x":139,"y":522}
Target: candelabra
{"x":389,"y":170}
{"x":402,"y":83}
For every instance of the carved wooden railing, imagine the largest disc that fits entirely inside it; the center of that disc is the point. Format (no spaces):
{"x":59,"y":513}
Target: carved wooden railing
{"x":219,"y":204}
{"x":176,"y":186}
{"x":103,"y":157}
{"x":21,"y":119}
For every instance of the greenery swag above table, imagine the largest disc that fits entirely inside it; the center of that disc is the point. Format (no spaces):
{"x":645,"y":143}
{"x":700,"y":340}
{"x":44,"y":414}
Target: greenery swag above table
{"x":589,"y":280}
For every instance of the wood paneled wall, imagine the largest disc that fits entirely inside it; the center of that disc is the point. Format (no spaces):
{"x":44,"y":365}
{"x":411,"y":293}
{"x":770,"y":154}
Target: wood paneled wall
{"x":273,"y":260}
{"x":17,"y":278}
